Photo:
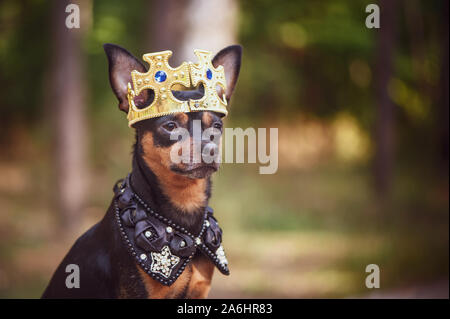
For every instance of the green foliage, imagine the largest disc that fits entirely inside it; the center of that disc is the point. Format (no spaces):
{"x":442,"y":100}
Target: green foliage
{"x":24,"y":57}
{"x":115,"y":22}
{"x":318,"y":57}
{"x":300,"y":56}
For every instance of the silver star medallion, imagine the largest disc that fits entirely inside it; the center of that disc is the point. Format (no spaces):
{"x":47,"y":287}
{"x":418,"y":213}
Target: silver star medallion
{"x":164,"y":262}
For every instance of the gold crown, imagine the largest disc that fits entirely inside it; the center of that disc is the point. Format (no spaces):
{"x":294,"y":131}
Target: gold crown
{"x":162,"y":78}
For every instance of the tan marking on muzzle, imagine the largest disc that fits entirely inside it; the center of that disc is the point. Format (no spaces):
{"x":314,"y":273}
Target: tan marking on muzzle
{"x":185,"y":193}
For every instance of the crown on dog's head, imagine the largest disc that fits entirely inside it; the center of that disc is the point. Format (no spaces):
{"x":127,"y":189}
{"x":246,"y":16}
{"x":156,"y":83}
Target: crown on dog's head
{"x":162,"y":79}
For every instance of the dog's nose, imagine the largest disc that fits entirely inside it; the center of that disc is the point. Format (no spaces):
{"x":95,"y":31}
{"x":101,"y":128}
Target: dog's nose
{"x":210,"y":152}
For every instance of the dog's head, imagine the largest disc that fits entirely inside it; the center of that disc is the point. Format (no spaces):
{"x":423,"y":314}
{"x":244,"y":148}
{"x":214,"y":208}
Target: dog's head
{"x":173,"y":144}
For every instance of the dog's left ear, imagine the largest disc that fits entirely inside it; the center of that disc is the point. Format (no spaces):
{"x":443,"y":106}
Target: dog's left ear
{"x":230,"y":57}
{"x":121,"y":63}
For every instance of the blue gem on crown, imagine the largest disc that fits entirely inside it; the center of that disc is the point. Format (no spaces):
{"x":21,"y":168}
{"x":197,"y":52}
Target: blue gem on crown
{"x":160,"y":76}
{"x":209,"y":74}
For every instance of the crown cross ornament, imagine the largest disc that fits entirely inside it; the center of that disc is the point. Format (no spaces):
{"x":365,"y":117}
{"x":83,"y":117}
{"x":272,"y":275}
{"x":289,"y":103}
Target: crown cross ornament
{"x":162,"y":78}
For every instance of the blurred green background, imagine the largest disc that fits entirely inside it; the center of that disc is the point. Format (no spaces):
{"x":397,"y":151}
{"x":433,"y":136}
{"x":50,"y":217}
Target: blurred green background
{"x":362,"y":116}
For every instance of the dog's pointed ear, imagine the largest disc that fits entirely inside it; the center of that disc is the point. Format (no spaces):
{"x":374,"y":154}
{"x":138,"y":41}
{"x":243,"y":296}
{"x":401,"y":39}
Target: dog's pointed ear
{"x":121,"y":63}
{"x":230,"y":58}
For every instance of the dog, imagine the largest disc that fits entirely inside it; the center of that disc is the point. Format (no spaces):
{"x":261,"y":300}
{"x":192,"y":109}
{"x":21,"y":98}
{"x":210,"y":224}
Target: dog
{"x":178,"y":193}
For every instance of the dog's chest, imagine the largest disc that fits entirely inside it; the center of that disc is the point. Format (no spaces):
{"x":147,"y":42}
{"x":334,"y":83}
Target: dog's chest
{"x":194,"y":282}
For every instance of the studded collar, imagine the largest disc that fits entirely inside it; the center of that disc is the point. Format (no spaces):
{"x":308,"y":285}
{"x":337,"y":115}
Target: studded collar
{"x":162,"y":248}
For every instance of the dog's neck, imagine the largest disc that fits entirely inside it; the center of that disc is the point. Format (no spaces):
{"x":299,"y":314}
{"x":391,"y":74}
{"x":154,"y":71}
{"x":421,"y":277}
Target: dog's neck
{"x":150,"y":188}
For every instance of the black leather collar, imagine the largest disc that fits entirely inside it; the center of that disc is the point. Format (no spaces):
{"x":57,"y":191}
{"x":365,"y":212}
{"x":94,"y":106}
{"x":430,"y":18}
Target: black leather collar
{"x":162,"y":248}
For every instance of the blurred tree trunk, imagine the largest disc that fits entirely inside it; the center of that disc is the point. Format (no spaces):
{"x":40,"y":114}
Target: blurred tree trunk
{"x":210,"y":25}
{"x":67,"y":97}
{"x":384,"y":125}
{"x":414,"y":23}
{"x":443,"y":112}
{"x":192,"y":24}
{"x":167,"y":15}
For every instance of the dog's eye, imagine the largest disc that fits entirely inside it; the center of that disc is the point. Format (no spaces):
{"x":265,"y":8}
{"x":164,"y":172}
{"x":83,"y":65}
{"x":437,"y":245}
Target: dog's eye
{"x":217,"y":125}
{"x":170,"y":126}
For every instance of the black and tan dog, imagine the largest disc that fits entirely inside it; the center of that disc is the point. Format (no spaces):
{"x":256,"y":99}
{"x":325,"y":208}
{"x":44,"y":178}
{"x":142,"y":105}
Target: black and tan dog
{"x":179,"y":192}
